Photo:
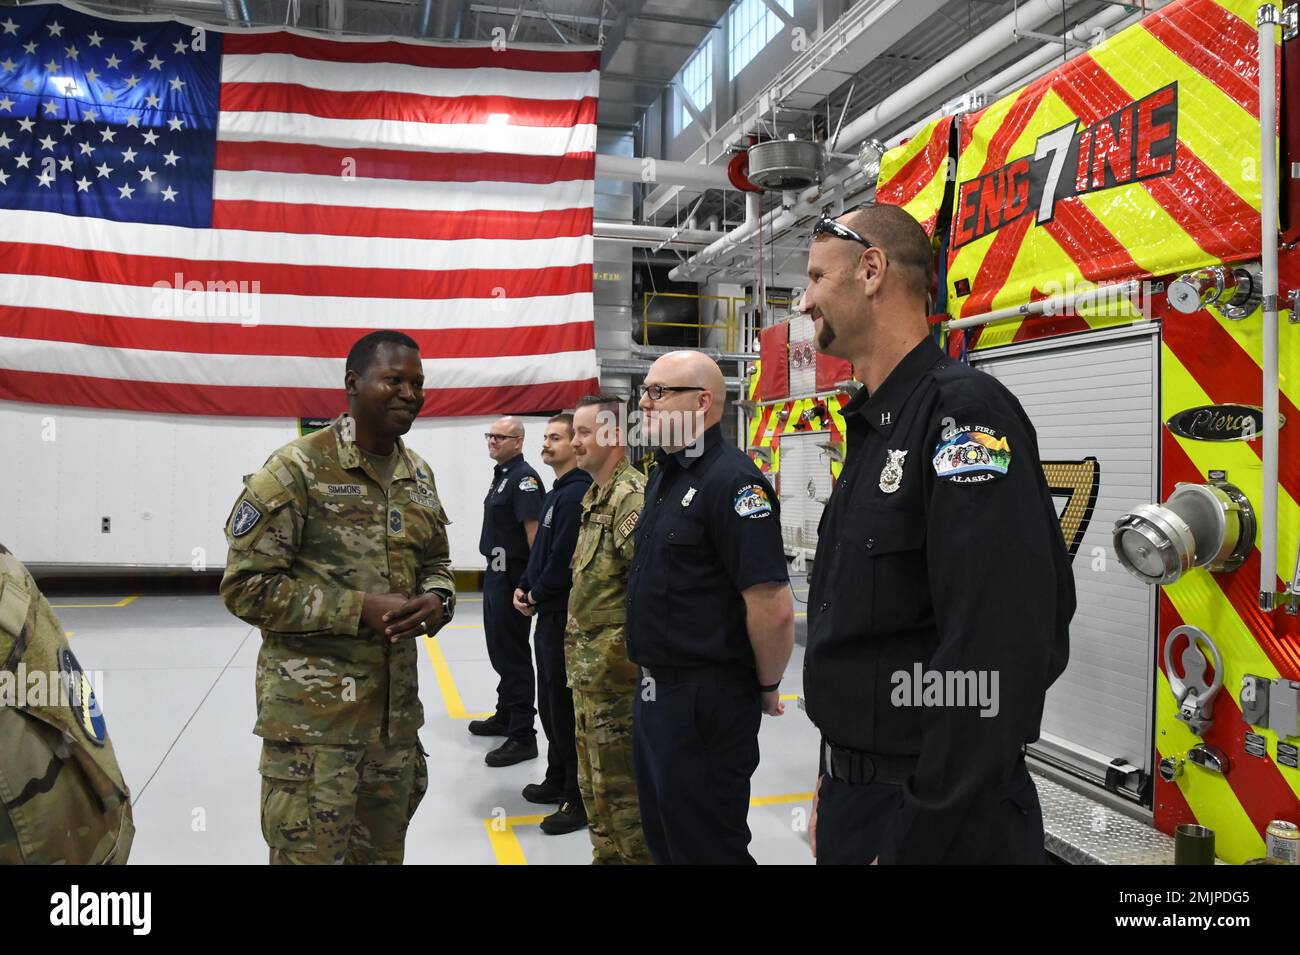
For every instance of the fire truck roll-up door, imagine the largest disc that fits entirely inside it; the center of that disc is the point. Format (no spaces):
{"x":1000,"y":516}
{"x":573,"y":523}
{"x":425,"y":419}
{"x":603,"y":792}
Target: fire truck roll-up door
{"x":1094,"y":402}
{"x":805,"y":479}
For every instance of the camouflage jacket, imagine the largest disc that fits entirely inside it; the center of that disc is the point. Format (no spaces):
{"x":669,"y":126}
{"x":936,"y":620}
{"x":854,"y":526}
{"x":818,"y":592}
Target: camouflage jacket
{"x":311,"y":535}
{"x":62,"y":796}
{"x":595,"y":652}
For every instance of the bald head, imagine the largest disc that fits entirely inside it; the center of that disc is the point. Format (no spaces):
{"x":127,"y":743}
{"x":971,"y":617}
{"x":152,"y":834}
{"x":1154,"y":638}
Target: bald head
{"x":693,"y":399}
{"x":905,"y":244}
{"x":505,"y":438}
{"x":697,"y":369}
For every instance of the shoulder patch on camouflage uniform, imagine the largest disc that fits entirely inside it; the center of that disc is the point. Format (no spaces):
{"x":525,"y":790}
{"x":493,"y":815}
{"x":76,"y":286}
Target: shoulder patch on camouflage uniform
{"x":244,"y":519}
{"x":81,"y":699}
{"x":629,"y":524}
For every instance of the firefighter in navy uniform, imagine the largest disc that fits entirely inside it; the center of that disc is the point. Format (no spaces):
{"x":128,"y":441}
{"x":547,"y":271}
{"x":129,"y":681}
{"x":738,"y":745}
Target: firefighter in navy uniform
{"x":710,"y":620}
{"x":510,"y":514}
{"x":941,"y":593}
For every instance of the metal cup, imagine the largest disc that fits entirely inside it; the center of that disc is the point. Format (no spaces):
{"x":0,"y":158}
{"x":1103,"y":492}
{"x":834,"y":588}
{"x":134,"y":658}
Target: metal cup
{"x":1193,"y":845}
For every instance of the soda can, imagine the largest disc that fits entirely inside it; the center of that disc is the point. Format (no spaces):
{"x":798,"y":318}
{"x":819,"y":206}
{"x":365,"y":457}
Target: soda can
{"x":1283,"y":839}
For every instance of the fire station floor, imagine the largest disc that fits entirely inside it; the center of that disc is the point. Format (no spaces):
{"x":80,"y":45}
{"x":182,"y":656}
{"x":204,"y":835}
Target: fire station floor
{"x":178,"y":696}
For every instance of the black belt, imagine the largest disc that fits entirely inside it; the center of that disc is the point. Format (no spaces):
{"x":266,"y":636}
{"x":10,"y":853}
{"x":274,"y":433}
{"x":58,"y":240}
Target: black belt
{"x":733,"y":675}
{"x":859,"y":768}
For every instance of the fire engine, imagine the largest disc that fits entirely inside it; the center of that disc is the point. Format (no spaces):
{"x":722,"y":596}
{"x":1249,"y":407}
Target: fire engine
{"x":1117,"y":242}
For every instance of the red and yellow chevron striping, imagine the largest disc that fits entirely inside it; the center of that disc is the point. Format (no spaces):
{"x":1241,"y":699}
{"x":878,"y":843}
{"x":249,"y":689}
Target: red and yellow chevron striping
{"x":914,"y":175}
{"x":1132,"y":160}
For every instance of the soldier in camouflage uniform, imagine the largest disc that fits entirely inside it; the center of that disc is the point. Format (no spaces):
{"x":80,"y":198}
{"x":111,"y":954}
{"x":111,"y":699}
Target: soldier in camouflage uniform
{"x":603,"y":680}
{"x":338,"y":552}
{"x":62,"y":796}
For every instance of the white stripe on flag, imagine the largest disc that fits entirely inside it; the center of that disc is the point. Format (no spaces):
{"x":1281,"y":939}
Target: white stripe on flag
{"x":391,"y":134}
{"x":214,"y":245}
{"x":305,"y":188}
{"x":274,"y":371}
{"x":401,"y":78}
{"x":251,"y":307}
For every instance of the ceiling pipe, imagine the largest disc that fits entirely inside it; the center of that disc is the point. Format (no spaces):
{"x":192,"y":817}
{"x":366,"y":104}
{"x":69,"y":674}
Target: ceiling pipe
{"x":652,"y":236}
{"x":648,"y":169}
{"x":237,"y":12}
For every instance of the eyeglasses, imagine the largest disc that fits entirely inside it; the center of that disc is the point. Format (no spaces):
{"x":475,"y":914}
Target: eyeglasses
{"x":500,"y":437}
{"x":657,"y":392}
{"x":828,"y":226}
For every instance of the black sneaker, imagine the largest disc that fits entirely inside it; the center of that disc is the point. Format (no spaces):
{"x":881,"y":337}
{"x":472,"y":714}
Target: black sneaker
{"x":488,"y":727}
{"x":510,"y":752}
{"x":544,"y":793}
{"x":570,"y":817}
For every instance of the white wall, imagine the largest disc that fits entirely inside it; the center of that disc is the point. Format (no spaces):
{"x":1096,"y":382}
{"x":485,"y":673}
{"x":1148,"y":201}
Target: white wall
{"x":168,"y":483}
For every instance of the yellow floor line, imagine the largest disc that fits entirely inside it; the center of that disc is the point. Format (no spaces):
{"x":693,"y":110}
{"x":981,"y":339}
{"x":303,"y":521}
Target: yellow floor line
{"x":121,"y":603}
{"x":508,"y":850}
{"x":450,"y":695}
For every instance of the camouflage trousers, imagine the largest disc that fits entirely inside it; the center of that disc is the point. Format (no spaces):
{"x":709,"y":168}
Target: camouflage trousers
{"x":51,"y":810}
{"x":603,"y":724}
{"x":340,"y":805}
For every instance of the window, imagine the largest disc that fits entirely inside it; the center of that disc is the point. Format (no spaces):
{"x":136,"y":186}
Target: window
{"x":752,"y":26}
{"x":697,"y":79}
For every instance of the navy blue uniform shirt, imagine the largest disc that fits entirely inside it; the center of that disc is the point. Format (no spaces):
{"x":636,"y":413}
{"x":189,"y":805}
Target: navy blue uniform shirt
{"x":709,"y":531}
{"x":515,"y":496}
{"x":940,"y":551}
{"x":549,"y":577}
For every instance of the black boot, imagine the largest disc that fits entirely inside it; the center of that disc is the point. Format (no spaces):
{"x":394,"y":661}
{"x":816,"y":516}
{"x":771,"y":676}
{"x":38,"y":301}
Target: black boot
{"x":510,"y":752}
{"x":570,"y":817}
{"x":492,"y":726}
{"x":544,"y":793}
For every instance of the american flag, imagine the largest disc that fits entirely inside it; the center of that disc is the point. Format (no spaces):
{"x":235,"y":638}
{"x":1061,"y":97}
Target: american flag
{"x":203,"y":222}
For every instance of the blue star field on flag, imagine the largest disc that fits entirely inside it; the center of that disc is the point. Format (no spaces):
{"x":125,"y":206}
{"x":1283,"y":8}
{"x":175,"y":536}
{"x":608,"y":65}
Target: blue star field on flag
{"x":107,"y":119}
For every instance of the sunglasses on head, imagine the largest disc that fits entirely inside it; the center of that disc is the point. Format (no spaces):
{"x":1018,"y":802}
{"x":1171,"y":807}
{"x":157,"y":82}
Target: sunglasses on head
{"x":828,"y":226}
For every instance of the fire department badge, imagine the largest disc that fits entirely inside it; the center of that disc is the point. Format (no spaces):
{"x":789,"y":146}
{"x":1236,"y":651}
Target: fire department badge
{"x":528,"y":483}
{"x":892,"y":473}
{"x":751,"y":502}
{"x":972,"y":454}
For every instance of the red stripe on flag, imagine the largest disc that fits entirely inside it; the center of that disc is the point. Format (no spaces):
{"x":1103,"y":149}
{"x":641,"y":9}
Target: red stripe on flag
{"x":309,"y":159}
{"x":1195,"y":31}
{"x":403,"y":107}
{"x":117,"y":268}
{"x":166,"y":398}
{"x":213,"y":338}
{"x":458,"y":57}
{"x":309,"y":218}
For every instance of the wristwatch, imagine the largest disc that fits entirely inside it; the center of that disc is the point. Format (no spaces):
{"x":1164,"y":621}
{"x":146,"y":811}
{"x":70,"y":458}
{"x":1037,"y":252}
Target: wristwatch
{"x":771,"y":689}
{"x":448,"y":602}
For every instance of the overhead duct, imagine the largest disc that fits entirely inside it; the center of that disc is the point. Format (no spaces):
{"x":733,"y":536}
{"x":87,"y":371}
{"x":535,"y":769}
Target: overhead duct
{"x":782,"y":164}
{"x":648,"y":169}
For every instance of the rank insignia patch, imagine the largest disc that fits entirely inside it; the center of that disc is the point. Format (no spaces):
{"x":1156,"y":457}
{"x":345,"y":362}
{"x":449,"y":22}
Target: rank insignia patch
{"x":395,"y":521}
{"x":245,"y":519}
{"x":751,"y":501}
{"x":528,"y":484}
{"x":972,"y":454}
{"x":892,"y":473}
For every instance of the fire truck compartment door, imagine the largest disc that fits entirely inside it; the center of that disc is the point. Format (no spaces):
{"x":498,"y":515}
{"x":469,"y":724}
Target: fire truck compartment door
{"x":805,"y":486}
{"x":1097,"y":396}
